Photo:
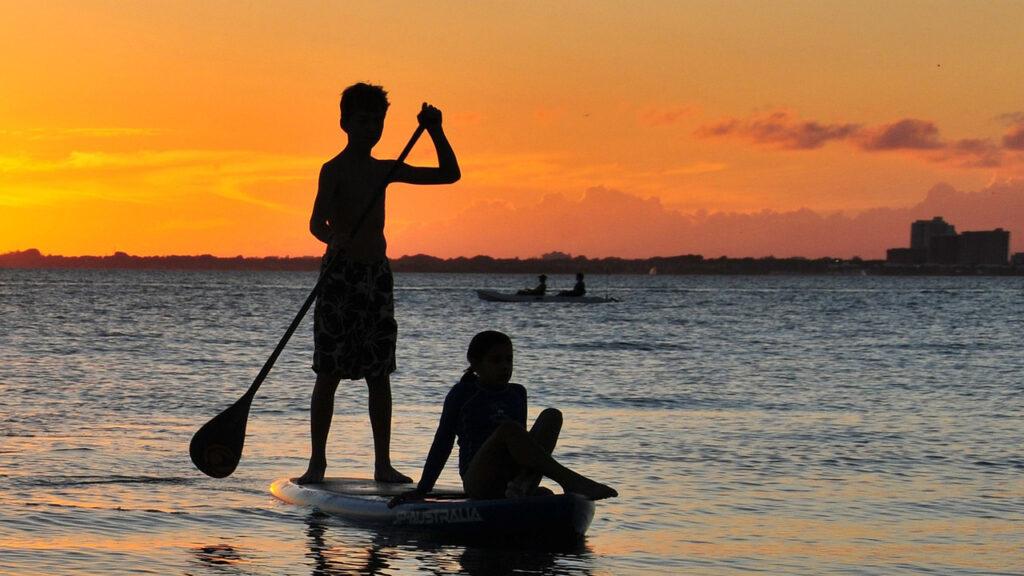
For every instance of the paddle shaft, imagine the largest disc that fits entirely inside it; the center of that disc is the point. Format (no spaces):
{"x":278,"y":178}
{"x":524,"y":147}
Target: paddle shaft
{"x":327,"y":269}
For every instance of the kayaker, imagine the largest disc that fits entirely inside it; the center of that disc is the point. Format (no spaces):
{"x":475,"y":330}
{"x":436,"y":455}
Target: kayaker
{"x":540,"y":290}
{"x":498,"y":458}
{"x":579,"y":289}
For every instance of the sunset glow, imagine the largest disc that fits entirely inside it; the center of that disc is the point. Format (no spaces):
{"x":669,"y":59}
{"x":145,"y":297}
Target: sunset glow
{"x":596,"y":128}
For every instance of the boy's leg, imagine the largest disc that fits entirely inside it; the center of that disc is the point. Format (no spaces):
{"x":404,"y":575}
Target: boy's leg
{"x":545,"y":431}
{"x":379,"y":404}
{"x":487,"y":476}
{"x":321,"y":411}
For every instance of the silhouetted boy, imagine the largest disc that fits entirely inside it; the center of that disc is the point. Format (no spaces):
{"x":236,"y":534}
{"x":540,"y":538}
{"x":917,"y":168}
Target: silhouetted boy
{"x":354,"y":324}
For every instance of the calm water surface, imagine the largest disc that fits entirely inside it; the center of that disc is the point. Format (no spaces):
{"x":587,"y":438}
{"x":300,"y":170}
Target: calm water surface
{"x":782,"y":425}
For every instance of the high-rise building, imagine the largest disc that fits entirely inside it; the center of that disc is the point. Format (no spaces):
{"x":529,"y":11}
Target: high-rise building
{"x":985,"y":248}
{"x":922,"y":232}
{"x":935,"y":241}
{"x":943,"y":249}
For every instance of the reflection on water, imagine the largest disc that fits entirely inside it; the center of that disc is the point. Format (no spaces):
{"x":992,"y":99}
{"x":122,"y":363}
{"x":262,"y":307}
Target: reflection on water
{"x":506,"y":561}
{"x":332,"y":556}
{"x":220,"y":556}
{"x":333,"y":553}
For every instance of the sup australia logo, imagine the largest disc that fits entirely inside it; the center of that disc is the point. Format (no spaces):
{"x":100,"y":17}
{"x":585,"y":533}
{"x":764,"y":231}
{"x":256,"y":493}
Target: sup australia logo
{"x":446,"y":516}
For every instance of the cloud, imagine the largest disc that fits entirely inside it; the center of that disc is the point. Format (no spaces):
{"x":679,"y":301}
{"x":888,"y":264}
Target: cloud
{"x":609,"y":222}
{"x":1011,"y":118}
{"x":920,"y":138}
{"x":781,"y":129}
{"x":908,"y":134}
{"x":1014,"y":138}
{"x":972,"y":153}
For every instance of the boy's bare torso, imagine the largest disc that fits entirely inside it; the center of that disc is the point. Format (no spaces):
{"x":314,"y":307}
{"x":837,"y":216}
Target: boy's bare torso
{"x":350,"y":187}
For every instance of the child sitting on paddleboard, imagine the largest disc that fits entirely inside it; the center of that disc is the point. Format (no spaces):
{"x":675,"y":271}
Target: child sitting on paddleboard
{"x":497,"y":456}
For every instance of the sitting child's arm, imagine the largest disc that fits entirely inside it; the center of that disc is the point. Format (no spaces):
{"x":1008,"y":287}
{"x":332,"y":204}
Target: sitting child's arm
{"x":437,"y":457}
{"x":318,"y":221}
{"x":447,"y":171}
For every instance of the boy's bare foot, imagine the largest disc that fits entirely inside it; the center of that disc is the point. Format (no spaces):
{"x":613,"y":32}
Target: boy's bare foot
{"x":391,"y":476}
{"x":314,"y":475}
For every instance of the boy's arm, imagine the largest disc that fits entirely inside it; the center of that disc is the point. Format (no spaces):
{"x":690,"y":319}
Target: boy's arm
{"x":447,"y":171}
{"x":318,"y":222}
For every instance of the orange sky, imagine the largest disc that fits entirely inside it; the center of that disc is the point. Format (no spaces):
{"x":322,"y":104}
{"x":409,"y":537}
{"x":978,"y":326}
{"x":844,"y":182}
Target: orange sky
{"x":199,"y":127}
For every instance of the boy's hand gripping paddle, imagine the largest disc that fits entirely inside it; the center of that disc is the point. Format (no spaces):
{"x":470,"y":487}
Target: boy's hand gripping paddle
{"x":216,"y":448}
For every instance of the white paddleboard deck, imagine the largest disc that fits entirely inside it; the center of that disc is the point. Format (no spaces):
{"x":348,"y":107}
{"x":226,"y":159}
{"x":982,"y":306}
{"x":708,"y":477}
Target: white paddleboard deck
{"x":445,"y":512}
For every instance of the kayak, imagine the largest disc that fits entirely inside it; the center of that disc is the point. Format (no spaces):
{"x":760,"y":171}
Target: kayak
{"x":495,"y":296}
{"x":445,"y":512}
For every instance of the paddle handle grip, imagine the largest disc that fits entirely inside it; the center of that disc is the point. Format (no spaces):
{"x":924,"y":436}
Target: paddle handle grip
{"x":330,"y":264}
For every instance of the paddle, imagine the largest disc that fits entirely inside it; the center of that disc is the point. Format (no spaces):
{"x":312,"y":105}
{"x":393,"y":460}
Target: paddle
{"x":216,"y":448}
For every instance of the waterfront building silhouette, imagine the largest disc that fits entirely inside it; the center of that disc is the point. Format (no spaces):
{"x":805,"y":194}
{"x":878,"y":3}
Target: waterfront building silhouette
{"x":922,"y":232}
{"x":943,"y":249}
{"x":984,"y":248}
{"x":936,"y":242}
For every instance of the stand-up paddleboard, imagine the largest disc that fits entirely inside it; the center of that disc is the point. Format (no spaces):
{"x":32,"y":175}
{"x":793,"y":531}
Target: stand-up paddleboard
{"x":495,"y":296}
{"x":445,"y":512}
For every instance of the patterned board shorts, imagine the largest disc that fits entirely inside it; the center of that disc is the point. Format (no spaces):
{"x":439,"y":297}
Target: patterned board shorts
{"x":354,"y":328}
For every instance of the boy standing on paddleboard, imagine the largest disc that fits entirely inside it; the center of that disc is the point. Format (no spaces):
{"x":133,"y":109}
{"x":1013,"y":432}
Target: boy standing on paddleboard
{"x":354,"y":324}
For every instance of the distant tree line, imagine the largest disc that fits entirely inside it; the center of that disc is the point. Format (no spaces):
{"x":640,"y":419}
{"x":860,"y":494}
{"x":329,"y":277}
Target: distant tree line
{"x":561,"y":264}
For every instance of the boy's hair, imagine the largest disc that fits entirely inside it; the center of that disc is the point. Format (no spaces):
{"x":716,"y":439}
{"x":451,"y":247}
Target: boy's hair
{"x":363,"y":96}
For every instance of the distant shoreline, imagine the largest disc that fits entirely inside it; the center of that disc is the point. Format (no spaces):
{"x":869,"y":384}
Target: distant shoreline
{"x":689,"y":264}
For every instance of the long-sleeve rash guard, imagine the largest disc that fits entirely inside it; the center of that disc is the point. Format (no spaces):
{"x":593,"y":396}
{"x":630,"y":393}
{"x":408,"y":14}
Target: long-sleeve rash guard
{"x":471,"y":413}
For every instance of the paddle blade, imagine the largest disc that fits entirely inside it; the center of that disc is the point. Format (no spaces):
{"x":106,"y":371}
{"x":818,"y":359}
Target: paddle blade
{"x":216,"y":448}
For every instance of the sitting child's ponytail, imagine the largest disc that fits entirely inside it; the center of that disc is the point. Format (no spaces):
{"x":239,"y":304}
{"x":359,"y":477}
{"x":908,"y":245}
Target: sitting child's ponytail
{"x":467,"y":375}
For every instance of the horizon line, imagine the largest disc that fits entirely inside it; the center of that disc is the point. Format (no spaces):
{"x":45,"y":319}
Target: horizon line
{"x":554,"y":255}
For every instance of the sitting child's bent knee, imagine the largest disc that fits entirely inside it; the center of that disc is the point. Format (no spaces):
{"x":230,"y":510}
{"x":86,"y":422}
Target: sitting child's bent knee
{"x":552,"y":413}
